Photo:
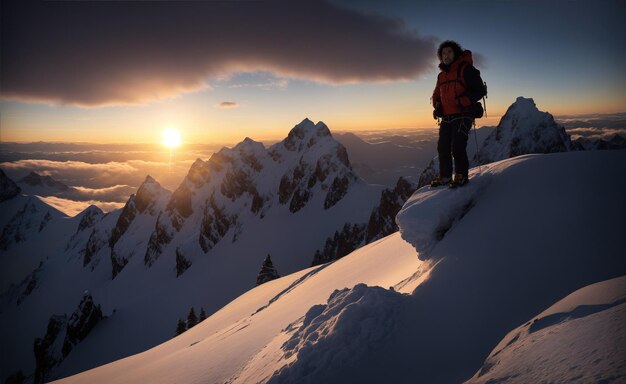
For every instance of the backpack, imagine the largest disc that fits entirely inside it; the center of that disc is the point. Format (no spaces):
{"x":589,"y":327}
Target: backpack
{"x":476,"y":109}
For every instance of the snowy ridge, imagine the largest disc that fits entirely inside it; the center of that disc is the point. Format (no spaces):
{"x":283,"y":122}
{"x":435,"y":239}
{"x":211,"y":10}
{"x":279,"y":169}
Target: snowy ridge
{"x":580,"y":338}
{"x":427,"y":216}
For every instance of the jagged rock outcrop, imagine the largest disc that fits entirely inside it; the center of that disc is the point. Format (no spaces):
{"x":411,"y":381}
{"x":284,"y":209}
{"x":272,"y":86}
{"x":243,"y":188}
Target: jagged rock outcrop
{"x":148,"y":202}
{"x":46,"y":349}
{"x":214,"y":225}
{"x":351,"y":237}
{"x":123,"y":221}
{"x":382,"y":221}
{"x":380,"y":224}
{"x":95,"y":243}
{"x":89,"y":217}
{"x":62,"y":335}
{"x":161,"y":236}
{"x":82,"y":321}
{"x":8,"y":188}
{"x":182,"y":264}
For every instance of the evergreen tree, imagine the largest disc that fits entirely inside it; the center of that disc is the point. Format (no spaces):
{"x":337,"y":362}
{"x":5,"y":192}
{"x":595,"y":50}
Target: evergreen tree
{"x":202,"y":315}
{"x":267,"y":272}
{"x":192,"y":319}
{"x":180,"y":327}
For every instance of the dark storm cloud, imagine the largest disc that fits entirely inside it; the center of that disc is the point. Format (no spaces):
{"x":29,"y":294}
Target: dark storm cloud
{"x":95,"y":53}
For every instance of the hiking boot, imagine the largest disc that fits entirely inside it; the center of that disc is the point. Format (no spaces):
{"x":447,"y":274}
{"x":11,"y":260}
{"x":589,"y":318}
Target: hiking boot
{"x":459,"y":180}
{"x":441,"y":180}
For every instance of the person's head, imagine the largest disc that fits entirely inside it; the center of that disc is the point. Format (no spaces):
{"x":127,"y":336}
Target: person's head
{"x":448,"y":51}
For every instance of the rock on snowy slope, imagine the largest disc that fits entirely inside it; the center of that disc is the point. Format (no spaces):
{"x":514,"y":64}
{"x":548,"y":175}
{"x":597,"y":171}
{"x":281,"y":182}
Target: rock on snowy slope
{"x":581,"y":338}
{"x":523,"y":129}
{"x":380,"y":224}
{"x":62,"y":335}
{"x":8,"y":188}
{"x":524,"y":244}
{"x":141,"y":210}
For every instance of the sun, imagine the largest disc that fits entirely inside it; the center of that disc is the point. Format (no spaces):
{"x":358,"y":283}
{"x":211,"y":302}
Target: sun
{"x":171,"y":138}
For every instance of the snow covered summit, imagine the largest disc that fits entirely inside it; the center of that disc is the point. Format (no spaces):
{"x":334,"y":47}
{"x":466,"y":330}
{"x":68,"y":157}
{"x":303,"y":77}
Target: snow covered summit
{"x":523,"y":129}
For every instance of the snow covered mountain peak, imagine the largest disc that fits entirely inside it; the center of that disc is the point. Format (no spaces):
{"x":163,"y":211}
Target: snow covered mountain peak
{"x":89,"y":216}
{"x":524,"y":104}
{"x":305,"y":135}
{"x":149,"y":194}
{"x":523,"y":129}
{"x":34,"y":179}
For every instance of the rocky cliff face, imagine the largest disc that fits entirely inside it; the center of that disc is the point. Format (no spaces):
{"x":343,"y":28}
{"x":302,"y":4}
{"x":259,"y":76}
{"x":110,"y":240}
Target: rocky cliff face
{"x":62,"y":334}
{"x":380,"y":224}
{"x":8,"y":188}
{"x":147,"y":203}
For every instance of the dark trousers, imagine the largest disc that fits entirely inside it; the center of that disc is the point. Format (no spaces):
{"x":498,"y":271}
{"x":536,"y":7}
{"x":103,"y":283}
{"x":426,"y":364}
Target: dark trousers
{"x":453,"y":134}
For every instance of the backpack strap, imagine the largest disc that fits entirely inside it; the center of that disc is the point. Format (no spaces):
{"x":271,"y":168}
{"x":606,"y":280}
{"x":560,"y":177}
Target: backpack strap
{"x":459,"y":74}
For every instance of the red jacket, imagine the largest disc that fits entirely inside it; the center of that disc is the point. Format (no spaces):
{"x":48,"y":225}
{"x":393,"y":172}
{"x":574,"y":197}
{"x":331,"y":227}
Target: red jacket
{"x":456,"y":94}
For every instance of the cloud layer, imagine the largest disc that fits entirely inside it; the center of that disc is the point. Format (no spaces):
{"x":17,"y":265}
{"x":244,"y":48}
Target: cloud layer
{"x":109,"y":52}
{"x":594,"y":126}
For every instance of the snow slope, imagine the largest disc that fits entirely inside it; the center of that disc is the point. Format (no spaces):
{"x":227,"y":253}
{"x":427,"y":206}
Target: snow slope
{"x":524,"y":233}
{"x":221,"y":345}
{"x":581,"y":338}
